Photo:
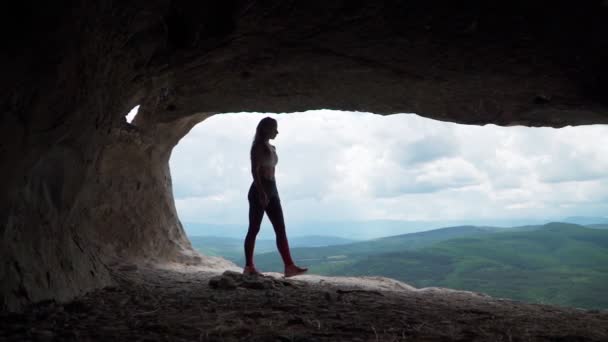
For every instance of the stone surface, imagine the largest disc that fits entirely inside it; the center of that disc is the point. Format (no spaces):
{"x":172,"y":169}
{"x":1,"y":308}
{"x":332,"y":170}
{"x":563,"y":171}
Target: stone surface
{"x":153,"y":304}
{"x":82,"y":189}
{"x":231,"y":280}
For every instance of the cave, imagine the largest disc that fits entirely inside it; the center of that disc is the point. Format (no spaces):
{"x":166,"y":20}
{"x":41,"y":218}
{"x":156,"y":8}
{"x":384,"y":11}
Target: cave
{"x":85,"y":190}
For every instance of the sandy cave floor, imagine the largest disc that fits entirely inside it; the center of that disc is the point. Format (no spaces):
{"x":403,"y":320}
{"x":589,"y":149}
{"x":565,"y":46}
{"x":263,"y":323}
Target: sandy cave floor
{"x":173,"y":303}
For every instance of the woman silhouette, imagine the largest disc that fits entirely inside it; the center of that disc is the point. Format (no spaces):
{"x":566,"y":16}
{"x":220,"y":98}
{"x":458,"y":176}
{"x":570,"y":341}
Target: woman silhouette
{"x":264,"y":196}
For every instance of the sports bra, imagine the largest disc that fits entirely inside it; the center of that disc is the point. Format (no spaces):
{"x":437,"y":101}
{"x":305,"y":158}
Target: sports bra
{"x":272,"y":160}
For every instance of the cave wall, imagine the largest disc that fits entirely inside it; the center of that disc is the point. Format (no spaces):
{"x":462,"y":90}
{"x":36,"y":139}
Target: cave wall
{"x":58,"y":97}
{"x":130,"y":209}
{"x":82,"y":188}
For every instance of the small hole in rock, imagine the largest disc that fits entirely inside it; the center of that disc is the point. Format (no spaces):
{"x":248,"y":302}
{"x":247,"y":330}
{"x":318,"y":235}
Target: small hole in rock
{"x":131,"y":115}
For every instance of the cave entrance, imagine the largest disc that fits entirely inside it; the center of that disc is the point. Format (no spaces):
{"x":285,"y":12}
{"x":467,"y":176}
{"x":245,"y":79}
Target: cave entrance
{"x":362,"y":193}
{"x":356,"y":176}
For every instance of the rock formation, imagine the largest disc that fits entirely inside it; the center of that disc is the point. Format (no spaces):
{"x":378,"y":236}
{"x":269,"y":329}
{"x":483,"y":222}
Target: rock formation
{"x":82,"y":188}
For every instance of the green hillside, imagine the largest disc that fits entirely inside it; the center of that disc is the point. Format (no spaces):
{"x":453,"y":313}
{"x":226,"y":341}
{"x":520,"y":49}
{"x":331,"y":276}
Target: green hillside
{"x":326,"y":259}
{"x":562,"y":264}
{"x":598,"y":226}
{"x":558,"y":263}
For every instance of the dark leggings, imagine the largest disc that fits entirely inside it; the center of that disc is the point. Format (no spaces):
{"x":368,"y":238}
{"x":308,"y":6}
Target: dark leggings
{"x":275,"y":214}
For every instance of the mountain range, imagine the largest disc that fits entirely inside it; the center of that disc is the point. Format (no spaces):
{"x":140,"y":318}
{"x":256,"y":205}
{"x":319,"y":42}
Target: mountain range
{"x":365,"y":230}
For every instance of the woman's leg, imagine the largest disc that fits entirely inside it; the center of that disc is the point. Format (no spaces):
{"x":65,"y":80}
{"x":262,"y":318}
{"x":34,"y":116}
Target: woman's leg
{"x":256,"y":214}
{"x":275,"y":214}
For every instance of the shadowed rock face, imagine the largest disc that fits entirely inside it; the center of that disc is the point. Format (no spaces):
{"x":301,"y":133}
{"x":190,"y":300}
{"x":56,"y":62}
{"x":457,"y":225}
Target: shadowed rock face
{"x":82,"y":188}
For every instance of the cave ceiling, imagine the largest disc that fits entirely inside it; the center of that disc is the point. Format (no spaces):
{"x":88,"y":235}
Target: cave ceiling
{"x":536,"y":63}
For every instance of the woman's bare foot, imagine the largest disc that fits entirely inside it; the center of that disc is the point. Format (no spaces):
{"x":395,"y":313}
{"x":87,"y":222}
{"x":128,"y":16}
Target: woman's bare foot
{"x":293,"y":270}
{"x":251,"y":270}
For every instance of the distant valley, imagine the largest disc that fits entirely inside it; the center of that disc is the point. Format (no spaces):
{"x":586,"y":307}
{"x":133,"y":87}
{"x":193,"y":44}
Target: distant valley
{"x":556,"y":263}
{"x":232,"y":248}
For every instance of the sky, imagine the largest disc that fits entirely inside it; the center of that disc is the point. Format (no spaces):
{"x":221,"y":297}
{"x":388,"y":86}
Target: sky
{"x":352,"y":166}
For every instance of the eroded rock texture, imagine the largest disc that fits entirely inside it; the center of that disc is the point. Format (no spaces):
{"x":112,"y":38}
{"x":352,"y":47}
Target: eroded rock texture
{"x":81,"y":187}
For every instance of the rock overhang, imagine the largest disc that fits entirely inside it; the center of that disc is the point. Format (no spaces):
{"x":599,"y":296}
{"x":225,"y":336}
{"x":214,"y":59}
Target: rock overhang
{"x":475,"y":63}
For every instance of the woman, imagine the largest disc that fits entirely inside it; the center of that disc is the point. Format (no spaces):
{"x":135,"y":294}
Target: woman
{"x":264,"y":196}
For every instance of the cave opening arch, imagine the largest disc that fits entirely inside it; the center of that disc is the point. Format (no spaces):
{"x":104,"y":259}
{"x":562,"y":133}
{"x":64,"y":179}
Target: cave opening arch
{"x":401,"y":166}
{"x":65,"y":98}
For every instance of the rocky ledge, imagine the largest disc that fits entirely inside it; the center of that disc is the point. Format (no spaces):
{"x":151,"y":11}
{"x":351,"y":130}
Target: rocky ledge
{"x":163,"y":304}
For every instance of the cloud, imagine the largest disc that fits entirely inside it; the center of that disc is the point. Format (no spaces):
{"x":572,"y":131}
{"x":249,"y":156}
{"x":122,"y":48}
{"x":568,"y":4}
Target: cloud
{"x":425,"y":149}
{"x":356,"y":166}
